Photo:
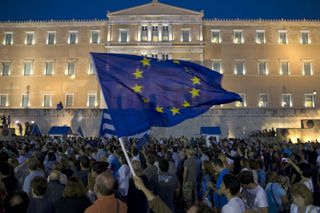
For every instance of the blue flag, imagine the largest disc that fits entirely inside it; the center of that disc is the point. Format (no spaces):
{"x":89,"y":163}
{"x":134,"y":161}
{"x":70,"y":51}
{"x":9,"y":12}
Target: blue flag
{"x":79,"y":130}
{"x":143,"y":92}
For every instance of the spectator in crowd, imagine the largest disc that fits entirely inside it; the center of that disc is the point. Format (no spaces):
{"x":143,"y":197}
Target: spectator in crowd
{"x":206,"y":189}
{"x":38,"y":203}
{"x":74,"y":198}
{"x":106,"y":201}
{"x":84,"y":170}
{"x":16,"y":202}
{"x":189,"y":178}
{"x":55,"y":188}
{"x":137,"y":201}
{"x":230,"y":188}
{"x":165,"y":185}
{"x":123,"y":176}
{"x":34,"y":171}
{"x":277,"y":196}
{"x":253,"y":195}
{"x":302,"y":200}
{"x":10,"y":181}
{"x":151,"y":170}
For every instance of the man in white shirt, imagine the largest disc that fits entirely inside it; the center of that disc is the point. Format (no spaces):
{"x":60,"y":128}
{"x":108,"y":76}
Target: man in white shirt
{"x":230,"y":188}
{"x":253,"y":195}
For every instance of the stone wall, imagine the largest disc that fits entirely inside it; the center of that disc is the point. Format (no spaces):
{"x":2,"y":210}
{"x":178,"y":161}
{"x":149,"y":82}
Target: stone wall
{"x":233,"y":122}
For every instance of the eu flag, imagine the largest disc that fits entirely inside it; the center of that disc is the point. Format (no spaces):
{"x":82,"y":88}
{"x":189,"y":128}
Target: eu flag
{"x":143,"y":92}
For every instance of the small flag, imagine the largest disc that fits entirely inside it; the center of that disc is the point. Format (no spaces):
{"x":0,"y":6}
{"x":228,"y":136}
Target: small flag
{"x":79,"y":130}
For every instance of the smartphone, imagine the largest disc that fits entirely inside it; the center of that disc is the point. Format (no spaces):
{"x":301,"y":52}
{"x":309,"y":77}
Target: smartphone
{"x":284,"y":160}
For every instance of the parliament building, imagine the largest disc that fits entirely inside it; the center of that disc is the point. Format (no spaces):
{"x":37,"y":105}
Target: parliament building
{"x":272,"y":64}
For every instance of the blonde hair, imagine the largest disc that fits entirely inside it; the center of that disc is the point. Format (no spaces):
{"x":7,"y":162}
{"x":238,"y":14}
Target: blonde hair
{"x":301,"y":190}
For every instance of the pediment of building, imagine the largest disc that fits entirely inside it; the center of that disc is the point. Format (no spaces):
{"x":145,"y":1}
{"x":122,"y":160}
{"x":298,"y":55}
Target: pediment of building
{"x":154,"y":8}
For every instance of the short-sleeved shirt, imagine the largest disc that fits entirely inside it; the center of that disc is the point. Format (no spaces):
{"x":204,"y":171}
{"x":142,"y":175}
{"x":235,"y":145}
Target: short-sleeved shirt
{"x":235,"y":205}
{"x":275,"y":192}
{"x":255,"y":198}
{"x":220,"y":200}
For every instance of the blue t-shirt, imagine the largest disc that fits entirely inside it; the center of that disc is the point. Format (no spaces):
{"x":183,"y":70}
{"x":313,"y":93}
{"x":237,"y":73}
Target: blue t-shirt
{"x":274,"y":193}
{"x":220,"y":200}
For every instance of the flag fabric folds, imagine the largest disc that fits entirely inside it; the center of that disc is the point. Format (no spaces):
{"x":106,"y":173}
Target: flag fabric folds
{"x":142,"y":92}
{"x":107,"y":128}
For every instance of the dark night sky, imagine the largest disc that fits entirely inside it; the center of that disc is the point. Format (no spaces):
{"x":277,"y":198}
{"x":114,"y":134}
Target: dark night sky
{"x":90,"y":9}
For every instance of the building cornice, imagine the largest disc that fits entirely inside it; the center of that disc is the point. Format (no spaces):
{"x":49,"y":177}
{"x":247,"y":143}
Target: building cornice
{"x":213,"y":20}
{"x":81,"y":22}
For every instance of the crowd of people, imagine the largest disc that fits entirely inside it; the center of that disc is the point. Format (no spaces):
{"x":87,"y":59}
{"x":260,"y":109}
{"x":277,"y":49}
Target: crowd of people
{"x":42,"y":174}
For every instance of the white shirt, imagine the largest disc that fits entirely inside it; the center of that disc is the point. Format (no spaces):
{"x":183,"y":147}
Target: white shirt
{"x":308,"y":183}
{"x":235,"y":205}
{"x":255,"y":198}
{"x":123,"y":179}
{"x":309,"y":209}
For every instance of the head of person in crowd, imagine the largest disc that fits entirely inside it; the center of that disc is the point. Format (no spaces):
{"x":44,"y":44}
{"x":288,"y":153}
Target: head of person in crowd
{"x":244,"y":163}
{"x":217,"y":165}
{"x":163,"y":165}
{"x":4,"y":157}
{"x":151,"y":159}
{"x":54,"y":176}
{"x":98,"y":168}
{"x":207,"y":168}
{"x":4,"y":169}
{"x":137,"y":167}
{"x":301,"y":195}
{"x":307,"y":170}
{"x":230,"y":186}
{"x":51,"y":156}
{"x":190,"y":153}
{"x":33,"y":164}
{"x":200,"y":207}
{"x":104,"y":184}
{"x":122,"y":158}
{"x":84,"y":163}
{"x":39,"y":186}
{"x":74,"y":188}
{"x":253,"y":164}
{"x":16,"y":202}
{"x":247,"y":180}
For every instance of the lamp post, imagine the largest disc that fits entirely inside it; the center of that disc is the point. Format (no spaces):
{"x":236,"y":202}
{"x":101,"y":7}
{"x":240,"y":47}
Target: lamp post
{"x":314,"y":98}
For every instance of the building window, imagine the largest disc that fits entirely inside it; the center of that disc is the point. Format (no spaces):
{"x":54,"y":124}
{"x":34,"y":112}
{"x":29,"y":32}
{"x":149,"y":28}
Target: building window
{"x":239,"y":68}
{"x":238,"y":37}
{"x":305,"y":37}
{"x":286,"y":100}
{"x":8,"y":38}
{"x":309,"y":100}
{"x":91,"y":69}
{"x":47,"y":100}
{"x":165,"y":57}
{"x":216,"y":65}
{"x":123,"y":35}
{"x":260,"y":37}
{"x":165,"y":33}
{"x":25,"y":100}
{"x":73,"y":37}
{"x":155,"y":56}
{"x":263,"y":100}
{"x":284,"y":68}
{"x":94,"y":37}
{"x":244,"y":101}
{"x":48,"y":68}
{"x":29,"y":38}
{"x":144,"y":33}
{"x":155,"y":34}
{"x":262,"y":68}
{"x":185,"y":35}
{"x":3,"y":100}
{"x":92,"y":100}
{"x":51,"y":39}
{"x":307,"y":68}
{"x":215,"y":36}
{"x":5,"y":68}
{"x":27,"y":68}
{"x":71,"y":68}
{"x":69,"y":100}
{"x":283,"y":37}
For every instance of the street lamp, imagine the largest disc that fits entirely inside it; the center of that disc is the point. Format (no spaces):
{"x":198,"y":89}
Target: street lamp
{"x":314,"y":98}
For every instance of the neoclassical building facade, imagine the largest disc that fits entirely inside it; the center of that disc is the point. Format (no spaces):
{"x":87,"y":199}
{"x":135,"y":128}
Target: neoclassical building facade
{"x":272,"y":64}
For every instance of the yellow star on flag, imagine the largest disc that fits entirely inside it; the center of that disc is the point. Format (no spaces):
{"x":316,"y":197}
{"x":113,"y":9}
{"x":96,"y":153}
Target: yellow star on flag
{"x":159,"y":109}
{"x":174,"y":111}
{"x":194,"y":92}
{"x":137,"y":88}
{"x":195,"y":80}
{"x":145,"y":62}
{"x":145,"y":100}
{"x":138,"y":74}
{"x":176,"y":61}
{"x":186,"y":104}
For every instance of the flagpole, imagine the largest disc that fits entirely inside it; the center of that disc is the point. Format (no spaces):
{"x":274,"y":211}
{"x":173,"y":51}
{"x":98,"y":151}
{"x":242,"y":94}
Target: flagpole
{"x":126,"y":156}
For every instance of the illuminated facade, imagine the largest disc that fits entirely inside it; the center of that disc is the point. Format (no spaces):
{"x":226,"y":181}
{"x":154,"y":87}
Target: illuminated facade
{"x":271,"y":63}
